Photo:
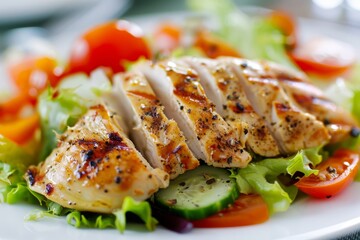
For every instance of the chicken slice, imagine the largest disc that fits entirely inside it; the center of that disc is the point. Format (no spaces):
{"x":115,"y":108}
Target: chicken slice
{"x":158,"y":138}
{"x":311,"y":99}
{"x":236,"y":108}
{"x":95,"y":166}
{"x":292,"y":128}
{"x":207,"y":134}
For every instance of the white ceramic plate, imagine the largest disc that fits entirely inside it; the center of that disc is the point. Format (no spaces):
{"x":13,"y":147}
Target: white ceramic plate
{"x":306,"y":219}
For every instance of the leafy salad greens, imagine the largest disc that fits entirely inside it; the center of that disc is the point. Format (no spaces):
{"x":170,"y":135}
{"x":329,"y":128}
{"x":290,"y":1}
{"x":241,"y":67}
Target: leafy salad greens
{"x":61,"y":107}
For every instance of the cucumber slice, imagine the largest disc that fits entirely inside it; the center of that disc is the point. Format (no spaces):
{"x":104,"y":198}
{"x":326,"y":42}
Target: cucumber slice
{"x":199,"y":193}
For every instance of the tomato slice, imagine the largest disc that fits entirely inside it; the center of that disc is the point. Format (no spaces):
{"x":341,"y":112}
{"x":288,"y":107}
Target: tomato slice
{"x":335,"y":174}
{"x":111,"y":45}
{"x":246,"y":210}
{"x":324,"y":57}
{"x":213,"y":46}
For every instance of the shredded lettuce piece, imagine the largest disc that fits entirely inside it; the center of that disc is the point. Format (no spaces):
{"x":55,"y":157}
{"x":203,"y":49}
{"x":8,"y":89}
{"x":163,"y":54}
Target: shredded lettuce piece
{"x":262,"y":177}
{"x":13,"y":162}
{"x":14,"y":155}
{"x":141,"y":209}
{"x":255,"y":38}
{"x":62,"y":107}
{"x":79,"y":220}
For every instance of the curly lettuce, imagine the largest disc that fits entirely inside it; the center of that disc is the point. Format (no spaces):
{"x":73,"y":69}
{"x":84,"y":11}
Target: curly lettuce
{"x":262,"y":177}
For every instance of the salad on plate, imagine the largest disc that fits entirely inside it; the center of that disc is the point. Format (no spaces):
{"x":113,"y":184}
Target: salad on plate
{"x":222,"y":120}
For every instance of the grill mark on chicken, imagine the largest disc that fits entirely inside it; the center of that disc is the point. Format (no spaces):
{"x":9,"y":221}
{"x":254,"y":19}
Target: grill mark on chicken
{"x":217,"y":138}
{"x":312,"y":100}
{"x":224,"y":88}
{"x":157,"y":137}
{"x":95,"y":167}
{"x":271,"y":102}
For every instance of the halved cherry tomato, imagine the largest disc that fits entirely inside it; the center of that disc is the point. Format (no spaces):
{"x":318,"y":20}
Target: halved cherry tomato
{"x":167,"y":37}
{"x":213,"y":46}
{"x":108,"y":45}
{"x":335,"y":174}
{"x":324,"y":57}
{"x":20,"y":130}
{"x":32,"y":75}
{"x":287,"y":25}
{"x":246,"y":210}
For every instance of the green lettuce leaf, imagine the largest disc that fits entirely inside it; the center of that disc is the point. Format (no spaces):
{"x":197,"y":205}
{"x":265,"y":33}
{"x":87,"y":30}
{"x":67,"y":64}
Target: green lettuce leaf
{"x":117,"y":219}
{"x":262,"y":177}
{"x":14,"y":155}
{"x":13,"y":162}
{"x":141,"y":209}
{"x":62,"y":107}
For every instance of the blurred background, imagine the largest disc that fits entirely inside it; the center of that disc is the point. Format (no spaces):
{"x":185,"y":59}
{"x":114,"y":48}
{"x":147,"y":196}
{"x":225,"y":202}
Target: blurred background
{"x":54,"y":16}
{"x":23,"y":20}
{"x":33,"y":25}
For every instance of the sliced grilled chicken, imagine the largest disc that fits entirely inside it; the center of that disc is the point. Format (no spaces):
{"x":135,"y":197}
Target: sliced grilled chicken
{"x":155,"y":136}
{"x":292,"y":128}
{"x":208,"y":135}
{"x":225,"y":90}
{"x":95,"y":166}
{"x":309,"y":98}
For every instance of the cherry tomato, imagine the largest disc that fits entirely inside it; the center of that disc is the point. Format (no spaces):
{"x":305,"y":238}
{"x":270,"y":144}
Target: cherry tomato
{"x":213,"y":46}
{"x":20,"y":130}
{"x":32,"y":75}
{"x":167,"y":37}
{"x":324,"y":57}
{"x":287,"y":25}
{"x":108,"y":45}
{"x":246,"y":210}
{"x":335,"y":174}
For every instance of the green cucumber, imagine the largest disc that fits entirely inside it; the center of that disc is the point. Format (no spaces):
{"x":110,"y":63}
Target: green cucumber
{"x":199,"y":193}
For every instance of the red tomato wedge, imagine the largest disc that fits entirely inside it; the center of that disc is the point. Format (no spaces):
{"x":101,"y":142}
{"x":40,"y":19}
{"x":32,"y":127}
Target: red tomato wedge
{"x":335,"y":174}
{"x":324,"y":57}
{"x":246,"y":210}
{"x":111,"y":45}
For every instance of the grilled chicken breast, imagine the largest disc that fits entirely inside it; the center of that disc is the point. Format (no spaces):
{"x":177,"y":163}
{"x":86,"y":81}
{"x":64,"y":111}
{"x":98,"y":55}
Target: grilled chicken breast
{"x":226,"y":91}
{"x":309,"y":98}
{"x":155,"y":136}
{"x":207,"y":134}
{"x":292,"y":128}
{"x":95,"y":166}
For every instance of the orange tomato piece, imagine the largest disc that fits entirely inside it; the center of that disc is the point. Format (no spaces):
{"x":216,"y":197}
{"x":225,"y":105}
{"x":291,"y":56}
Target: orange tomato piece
{"x":286,"y":23}
{"x":20,"y":130}
{"x":32,"y":75}
{"x":213,"y":46}
{"x":167,"y":37}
